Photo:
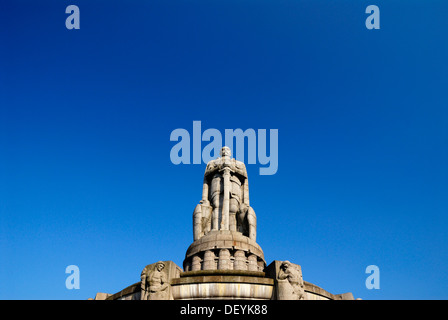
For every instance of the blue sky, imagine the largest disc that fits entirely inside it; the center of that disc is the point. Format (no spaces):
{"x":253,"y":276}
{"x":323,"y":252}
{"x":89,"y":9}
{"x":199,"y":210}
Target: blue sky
{"x":86,"y":116}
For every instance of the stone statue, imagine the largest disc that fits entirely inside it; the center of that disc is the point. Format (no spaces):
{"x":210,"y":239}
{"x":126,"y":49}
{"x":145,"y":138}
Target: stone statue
{"x":291,"y":285}
{"x":225,"y":199}
{"x":154,"y":283}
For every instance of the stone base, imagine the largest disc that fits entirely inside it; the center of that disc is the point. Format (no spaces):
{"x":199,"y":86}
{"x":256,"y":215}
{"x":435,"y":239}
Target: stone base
{"x":224,"y":250}
{"x":222,"y":284}
{"x":227,"y":284}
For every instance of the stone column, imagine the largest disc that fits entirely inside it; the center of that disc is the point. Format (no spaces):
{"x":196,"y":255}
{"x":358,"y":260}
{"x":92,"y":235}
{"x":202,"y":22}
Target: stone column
{"x":226,"y":200}
{"x":253,"y":266}
{"x":240,"y":260}
{"x":209,"y":261}
{"x":196,"y":263}
{"x":224,"y":259}
{"x":205,"y":191}
{"x":197,"y":223}
{"x":246,"y":192}
{"x":232,"y":221}
{"x":216,"y":190}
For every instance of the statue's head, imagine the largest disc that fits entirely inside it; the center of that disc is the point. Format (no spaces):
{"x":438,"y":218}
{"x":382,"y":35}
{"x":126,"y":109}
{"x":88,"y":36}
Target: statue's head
{"x":225,"y":152}
{"x":160,"y":265}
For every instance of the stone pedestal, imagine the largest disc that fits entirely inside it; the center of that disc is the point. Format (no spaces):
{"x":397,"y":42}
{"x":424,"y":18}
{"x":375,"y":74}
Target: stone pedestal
{"x":224,"y":250}
{"x":229,"y":284}
{"x":222,"y":284}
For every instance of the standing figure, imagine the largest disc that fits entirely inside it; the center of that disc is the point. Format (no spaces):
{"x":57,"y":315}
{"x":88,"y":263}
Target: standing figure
{"x":154,"y":283}
{"x":292,"y":286}
{"x":225,"y":199}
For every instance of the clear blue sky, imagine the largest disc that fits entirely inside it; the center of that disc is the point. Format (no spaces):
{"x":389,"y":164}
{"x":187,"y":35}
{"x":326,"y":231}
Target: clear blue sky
{"x":86,"y":115}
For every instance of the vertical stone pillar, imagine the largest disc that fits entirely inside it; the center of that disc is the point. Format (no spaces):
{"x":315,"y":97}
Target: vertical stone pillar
{"x":205,"y":191}
{"x":240,"y":260}
{"x":209,"y":261}
{"x":197,"y":223}
{"x":246,"y":192}
{"x":252,"y":266}
{"x":196,"y":263}
{"x":232,"y":221}
{"x":224,"y":259}
{"x":226,"y":200}
{"x":216,"y":189}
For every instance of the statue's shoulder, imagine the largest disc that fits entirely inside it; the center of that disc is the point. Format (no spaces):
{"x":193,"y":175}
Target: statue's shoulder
{"x":240,"y":167}
{"x":212,"y":166}
{"x":239,"y":164}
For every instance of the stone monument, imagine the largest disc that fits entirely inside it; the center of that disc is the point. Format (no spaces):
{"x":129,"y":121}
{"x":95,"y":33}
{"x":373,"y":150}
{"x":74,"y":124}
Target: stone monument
{"x":224,"y":261}
{"x":224,"y":223}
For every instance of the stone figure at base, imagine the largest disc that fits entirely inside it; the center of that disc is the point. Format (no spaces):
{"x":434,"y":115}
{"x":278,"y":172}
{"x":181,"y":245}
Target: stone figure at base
{"x":290,"y":282}
{"x":154,"y":283}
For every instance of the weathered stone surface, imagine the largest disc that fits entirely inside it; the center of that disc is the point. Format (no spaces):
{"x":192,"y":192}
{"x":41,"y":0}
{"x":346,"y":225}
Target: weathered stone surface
{"x":155,"y":280}
{"x":101,"y":296}
{"x":289,"y":281}
{"x":225,"y":199}
{"x":258,"y":274}
{"x":224,"y":224}
{"x":233,"y":242}
{"x":227,"y":290}
{"x":311,"y":291}
{"x":222,"y":284}
{"x":131,"y":292}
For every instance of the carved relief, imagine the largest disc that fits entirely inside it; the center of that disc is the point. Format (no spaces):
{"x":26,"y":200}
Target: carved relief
{"x":290,"y":282}
{"x":154,"y":282}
